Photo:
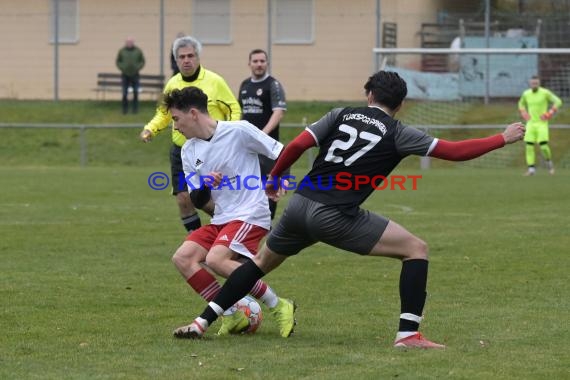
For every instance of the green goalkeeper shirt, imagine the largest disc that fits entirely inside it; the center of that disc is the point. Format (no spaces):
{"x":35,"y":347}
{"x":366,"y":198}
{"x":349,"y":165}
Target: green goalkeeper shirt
{"x":537,"y":103}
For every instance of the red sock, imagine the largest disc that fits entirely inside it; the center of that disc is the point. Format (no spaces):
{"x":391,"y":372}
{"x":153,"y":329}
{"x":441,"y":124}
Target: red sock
{"x":205,"y":284}
{"x":258,"y":289}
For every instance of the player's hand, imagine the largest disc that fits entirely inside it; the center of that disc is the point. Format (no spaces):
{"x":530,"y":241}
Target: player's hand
{"x":525,"y":115}
{"x":514,"y":133}
{"x":213,"y":179}
{"x":272,"y":188}
{"x":145,"y":135}
{"x":547,"y":115}
{"x":282,"y":190}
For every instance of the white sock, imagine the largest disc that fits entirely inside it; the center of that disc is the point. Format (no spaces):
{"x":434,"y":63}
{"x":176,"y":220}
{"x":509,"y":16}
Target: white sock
{"x":269,"y":298}
{"x":202,"y":322}
{"x":404,"y":334}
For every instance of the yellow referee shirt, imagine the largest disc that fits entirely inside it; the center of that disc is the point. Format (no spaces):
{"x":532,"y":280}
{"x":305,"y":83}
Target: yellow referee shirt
{"x":222,"y":104}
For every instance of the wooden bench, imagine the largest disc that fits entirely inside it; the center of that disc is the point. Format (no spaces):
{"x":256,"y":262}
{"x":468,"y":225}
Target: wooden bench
{"x":111,"y":82}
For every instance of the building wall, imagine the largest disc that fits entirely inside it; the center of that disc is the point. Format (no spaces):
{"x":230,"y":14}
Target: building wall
{"x":26,"y":61}
{"x":333,"y":67}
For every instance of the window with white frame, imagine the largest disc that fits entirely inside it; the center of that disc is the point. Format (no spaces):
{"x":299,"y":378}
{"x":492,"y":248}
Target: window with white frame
{"x":211,"y":21}
{"x":294,"y":21}
{"x":68,"y":21}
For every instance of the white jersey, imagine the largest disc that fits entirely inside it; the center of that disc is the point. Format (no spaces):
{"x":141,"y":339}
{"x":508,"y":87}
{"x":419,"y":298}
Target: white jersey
{"x":232,"y":151}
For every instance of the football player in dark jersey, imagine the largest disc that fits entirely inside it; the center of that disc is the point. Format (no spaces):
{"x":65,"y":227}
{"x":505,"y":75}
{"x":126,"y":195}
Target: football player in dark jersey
{"x":364,"y":142}
{"x":262,"y":101}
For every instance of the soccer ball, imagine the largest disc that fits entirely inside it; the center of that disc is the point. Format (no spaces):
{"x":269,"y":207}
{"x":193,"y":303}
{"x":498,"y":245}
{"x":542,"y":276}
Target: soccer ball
{"x":252,"y":311}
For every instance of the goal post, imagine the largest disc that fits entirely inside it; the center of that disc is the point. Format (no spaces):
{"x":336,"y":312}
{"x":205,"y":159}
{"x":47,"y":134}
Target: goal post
{"x":468,"y":92}
{"x":454,"y":74}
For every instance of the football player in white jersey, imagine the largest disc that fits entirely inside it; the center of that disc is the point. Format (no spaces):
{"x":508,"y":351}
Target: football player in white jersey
{"x":221,"y":165}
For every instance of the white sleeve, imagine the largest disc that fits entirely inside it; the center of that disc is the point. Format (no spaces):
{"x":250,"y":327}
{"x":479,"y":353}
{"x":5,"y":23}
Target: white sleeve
{"x":259,"y":142}
{"x":190,"y":176}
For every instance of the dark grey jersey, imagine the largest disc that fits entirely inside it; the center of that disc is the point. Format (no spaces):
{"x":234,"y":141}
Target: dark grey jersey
{"x":357,"y":143}
{"x":258,"y":99}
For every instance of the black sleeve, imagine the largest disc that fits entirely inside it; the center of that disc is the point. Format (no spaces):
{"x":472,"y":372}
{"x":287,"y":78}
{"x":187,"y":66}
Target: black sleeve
{"x":200,"y":196}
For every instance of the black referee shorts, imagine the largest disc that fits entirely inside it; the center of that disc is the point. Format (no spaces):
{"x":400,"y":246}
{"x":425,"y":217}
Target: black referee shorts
{"x":176,"y":171}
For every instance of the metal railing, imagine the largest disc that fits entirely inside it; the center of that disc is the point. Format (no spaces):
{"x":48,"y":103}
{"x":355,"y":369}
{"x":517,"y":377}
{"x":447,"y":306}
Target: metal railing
{"x":83,"y":146}
{"x":424,"y":162}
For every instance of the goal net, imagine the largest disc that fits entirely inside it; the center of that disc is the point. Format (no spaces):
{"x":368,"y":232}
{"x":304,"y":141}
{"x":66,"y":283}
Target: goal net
{"x":472,"y":91}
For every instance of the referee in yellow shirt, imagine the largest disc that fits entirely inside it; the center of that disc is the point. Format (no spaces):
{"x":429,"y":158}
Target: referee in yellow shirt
{"x":222,"y":105}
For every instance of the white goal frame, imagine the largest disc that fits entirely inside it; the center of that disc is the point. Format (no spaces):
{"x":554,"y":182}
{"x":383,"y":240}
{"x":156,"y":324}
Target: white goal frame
{"x":380,"y":59}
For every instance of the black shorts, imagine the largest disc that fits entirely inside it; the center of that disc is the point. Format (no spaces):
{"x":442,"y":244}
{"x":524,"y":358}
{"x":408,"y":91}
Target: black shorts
{"x":305,"y":222}
{"x":176,"y":170}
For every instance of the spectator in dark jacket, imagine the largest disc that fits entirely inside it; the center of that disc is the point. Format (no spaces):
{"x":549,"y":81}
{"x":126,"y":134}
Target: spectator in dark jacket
{"x":130,"y":61}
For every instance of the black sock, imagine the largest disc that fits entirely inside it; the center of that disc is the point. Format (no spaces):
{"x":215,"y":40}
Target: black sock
{"x":240,"y":282}
{"x":413,"y":281}
{"x":191,"y":222}
{"x":272,"y":208}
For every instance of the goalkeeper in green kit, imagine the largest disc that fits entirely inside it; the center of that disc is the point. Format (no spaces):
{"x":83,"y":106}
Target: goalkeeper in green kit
{"x":537,"y":105}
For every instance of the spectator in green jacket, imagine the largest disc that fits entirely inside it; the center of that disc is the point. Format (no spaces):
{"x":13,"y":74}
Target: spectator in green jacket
{"x":130,"y":61}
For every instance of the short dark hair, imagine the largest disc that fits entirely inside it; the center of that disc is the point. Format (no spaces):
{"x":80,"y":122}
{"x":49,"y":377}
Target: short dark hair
{"x":257,"y":51}
{"x":186,"y":98}
{"x":387,"y":88}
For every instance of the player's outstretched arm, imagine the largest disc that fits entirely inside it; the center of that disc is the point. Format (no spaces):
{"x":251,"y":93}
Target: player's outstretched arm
{"x":288,"y":156}
{"x":292,"y":152}
{"x":469,"y":149}
{"x":513,"y":133}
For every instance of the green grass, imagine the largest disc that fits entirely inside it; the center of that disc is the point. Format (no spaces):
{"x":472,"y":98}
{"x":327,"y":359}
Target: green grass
{"x":103,"y":147}
{"x":88,"y":291}
{"x":109,"y":112}
{"x":121,"y":147}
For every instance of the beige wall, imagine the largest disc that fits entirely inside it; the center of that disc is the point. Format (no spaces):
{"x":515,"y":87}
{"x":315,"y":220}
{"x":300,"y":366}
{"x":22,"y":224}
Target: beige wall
{"x":333,"y":67}
{"x":25,"y":62}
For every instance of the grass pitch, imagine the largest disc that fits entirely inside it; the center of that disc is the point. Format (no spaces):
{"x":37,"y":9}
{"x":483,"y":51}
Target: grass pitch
{"x":88,"y":291}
